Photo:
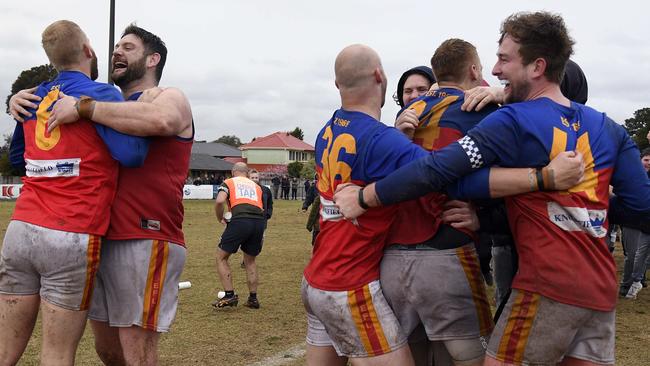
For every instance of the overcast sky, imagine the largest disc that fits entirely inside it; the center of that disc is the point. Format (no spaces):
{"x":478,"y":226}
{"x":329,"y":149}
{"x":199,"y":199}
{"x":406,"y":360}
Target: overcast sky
{"x":251,"y":68}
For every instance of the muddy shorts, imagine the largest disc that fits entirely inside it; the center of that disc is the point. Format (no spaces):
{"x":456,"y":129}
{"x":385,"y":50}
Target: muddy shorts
{"x":535,"y":330}
{"x":137,"y":284}
{"x":357,"y":323}
{"x":444,"y":290}
{"x":60,"y":266}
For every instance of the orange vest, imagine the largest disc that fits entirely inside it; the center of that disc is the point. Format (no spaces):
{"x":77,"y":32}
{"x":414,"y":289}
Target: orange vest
{"x":243,"y":190}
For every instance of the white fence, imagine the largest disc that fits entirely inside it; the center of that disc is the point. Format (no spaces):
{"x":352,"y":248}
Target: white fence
{"x":190,"y":192}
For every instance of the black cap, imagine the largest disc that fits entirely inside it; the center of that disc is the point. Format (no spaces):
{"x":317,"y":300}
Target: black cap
{"x":574,"y":83}
{"x":422,"y":70}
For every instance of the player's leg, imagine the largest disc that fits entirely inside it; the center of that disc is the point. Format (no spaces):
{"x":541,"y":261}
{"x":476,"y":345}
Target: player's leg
{"x":360,"y":324}
{"x":107,"y":343}
{"x":68,"y":265}
{"x":236,"y":232}
{"x":19,"y":288}
{"x":140,"y":346}
{"x":400,"y":356}
{"x":17,"y":319}
{"x":252,"y":247}
{"x":251,"y":273}
{"x":140,"y":280}
{"x":107,"y":338}
{"x":62,"y":330}
{"x":324,"y":355}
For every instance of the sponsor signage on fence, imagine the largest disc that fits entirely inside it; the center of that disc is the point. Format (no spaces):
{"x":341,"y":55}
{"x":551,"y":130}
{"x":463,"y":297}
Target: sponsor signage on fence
{"x":10,"y":191}
{"x":203,"y":192}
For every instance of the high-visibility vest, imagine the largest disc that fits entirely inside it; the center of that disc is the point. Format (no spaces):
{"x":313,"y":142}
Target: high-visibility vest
{"x":243,"y":190}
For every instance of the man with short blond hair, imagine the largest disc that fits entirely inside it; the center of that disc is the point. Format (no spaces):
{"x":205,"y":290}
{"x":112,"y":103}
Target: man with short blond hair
{"x":51,"y":249}
{"x":144,"y":254}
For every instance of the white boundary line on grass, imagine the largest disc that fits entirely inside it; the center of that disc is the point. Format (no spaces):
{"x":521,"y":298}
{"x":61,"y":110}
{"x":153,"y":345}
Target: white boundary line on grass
{"x":284,"y":357}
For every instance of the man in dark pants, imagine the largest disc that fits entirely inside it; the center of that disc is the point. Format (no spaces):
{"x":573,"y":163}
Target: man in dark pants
{"x":246,"y":228}
{"x":267,"y":200}
{"x":276,"y":186}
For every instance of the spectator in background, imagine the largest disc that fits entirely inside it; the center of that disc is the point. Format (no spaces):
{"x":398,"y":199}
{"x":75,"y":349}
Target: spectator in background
{"x":636,"y":244}
{"x":276,"y":186}
{"x":307,"y":186}
{"x":267,"y":201}
{"x":285,"y":187}
{"x":294,"y":188}
{"x":312,"y":198}
{"x":412,"y":84}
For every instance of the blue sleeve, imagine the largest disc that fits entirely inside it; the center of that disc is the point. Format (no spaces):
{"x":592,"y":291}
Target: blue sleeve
{"x":17,"y":148}
{"x":473,"y":186}
{"x":630,"y":181}
{"x":130,"y":151}
{"x":389,"y":151}
{"x":429,"y":174}
{"x":491,"y":141}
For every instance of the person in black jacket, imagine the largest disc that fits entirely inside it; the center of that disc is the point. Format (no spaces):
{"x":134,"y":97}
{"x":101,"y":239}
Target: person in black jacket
{"x":267,"y":199}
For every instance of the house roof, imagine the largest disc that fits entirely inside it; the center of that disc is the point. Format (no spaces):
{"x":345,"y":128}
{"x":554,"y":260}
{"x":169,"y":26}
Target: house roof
{"x":210,"y":163}
{"x":217,"y":149}
{"x":278,"y":140}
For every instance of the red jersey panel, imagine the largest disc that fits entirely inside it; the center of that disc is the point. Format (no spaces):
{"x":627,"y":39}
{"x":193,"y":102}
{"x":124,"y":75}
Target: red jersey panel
{"x":441,"y":123}
{"x":71,"y":177}
{"x":353,"y":147}
{"x":149,"y":199}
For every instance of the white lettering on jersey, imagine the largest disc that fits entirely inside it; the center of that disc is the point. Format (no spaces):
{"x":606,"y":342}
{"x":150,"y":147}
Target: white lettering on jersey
{"x":578,"y":219}
{"x":329,"y":211}
{"x":245,"y":189}
{"x":52,"y":168}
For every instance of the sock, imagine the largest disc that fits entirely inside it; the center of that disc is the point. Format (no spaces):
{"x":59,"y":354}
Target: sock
{"x":253,"y":295}
{"x":230,"y":293}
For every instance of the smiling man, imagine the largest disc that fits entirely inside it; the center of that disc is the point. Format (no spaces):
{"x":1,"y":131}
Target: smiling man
{"x":551,"y":318}
{"x":142,"y":259}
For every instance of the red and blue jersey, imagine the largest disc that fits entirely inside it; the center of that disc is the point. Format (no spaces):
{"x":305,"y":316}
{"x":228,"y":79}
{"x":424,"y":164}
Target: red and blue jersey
{"x":71,"y":172}
{"x":353,"y":147}
{"x":559,"y":235}
{"x":441,"y":123}
{"x":149,"y":199}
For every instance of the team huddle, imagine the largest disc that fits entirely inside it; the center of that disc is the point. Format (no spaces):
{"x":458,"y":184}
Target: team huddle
{"x":394,"y":278}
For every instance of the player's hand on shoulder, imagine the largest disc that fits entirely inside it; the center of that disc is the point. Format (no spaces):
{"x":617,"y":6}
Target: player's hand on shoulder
{"x":480,"y":96}
{"x":150,"y":94}
{"x":566,"y":170}
{"x":407,"y":122}
{"x":64,"y":111}
{"x":460,"y":215}
{"x":346,"y":199}
{"x":22,"y":100}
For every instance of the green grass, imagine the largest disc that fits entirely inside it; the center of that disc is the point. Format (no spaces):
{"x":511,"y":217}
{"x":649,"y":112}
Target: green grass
{"x":202,"y":335}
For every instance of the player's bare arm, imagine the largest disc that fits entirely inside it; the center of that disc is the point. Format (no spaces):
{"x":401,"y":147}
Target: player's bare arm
{"x":563,"y":172}
{"x":21,"y":100}
{"x":480,"y":96}
{"x":168,"y":114}
{"x":221,"y":199}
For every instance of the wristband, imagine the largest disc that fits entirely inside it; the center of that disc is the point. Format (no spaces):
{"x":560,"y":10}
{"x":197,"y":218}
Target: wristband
{"x":85,"y":107}
{"x":362,"y":203}
{"x":540,"y":179}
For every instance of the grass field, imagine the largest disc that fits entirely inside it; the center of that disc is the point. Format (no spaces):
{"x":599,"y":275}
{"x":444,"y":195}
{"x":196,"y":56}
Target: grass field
{"x":202,"y":335}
